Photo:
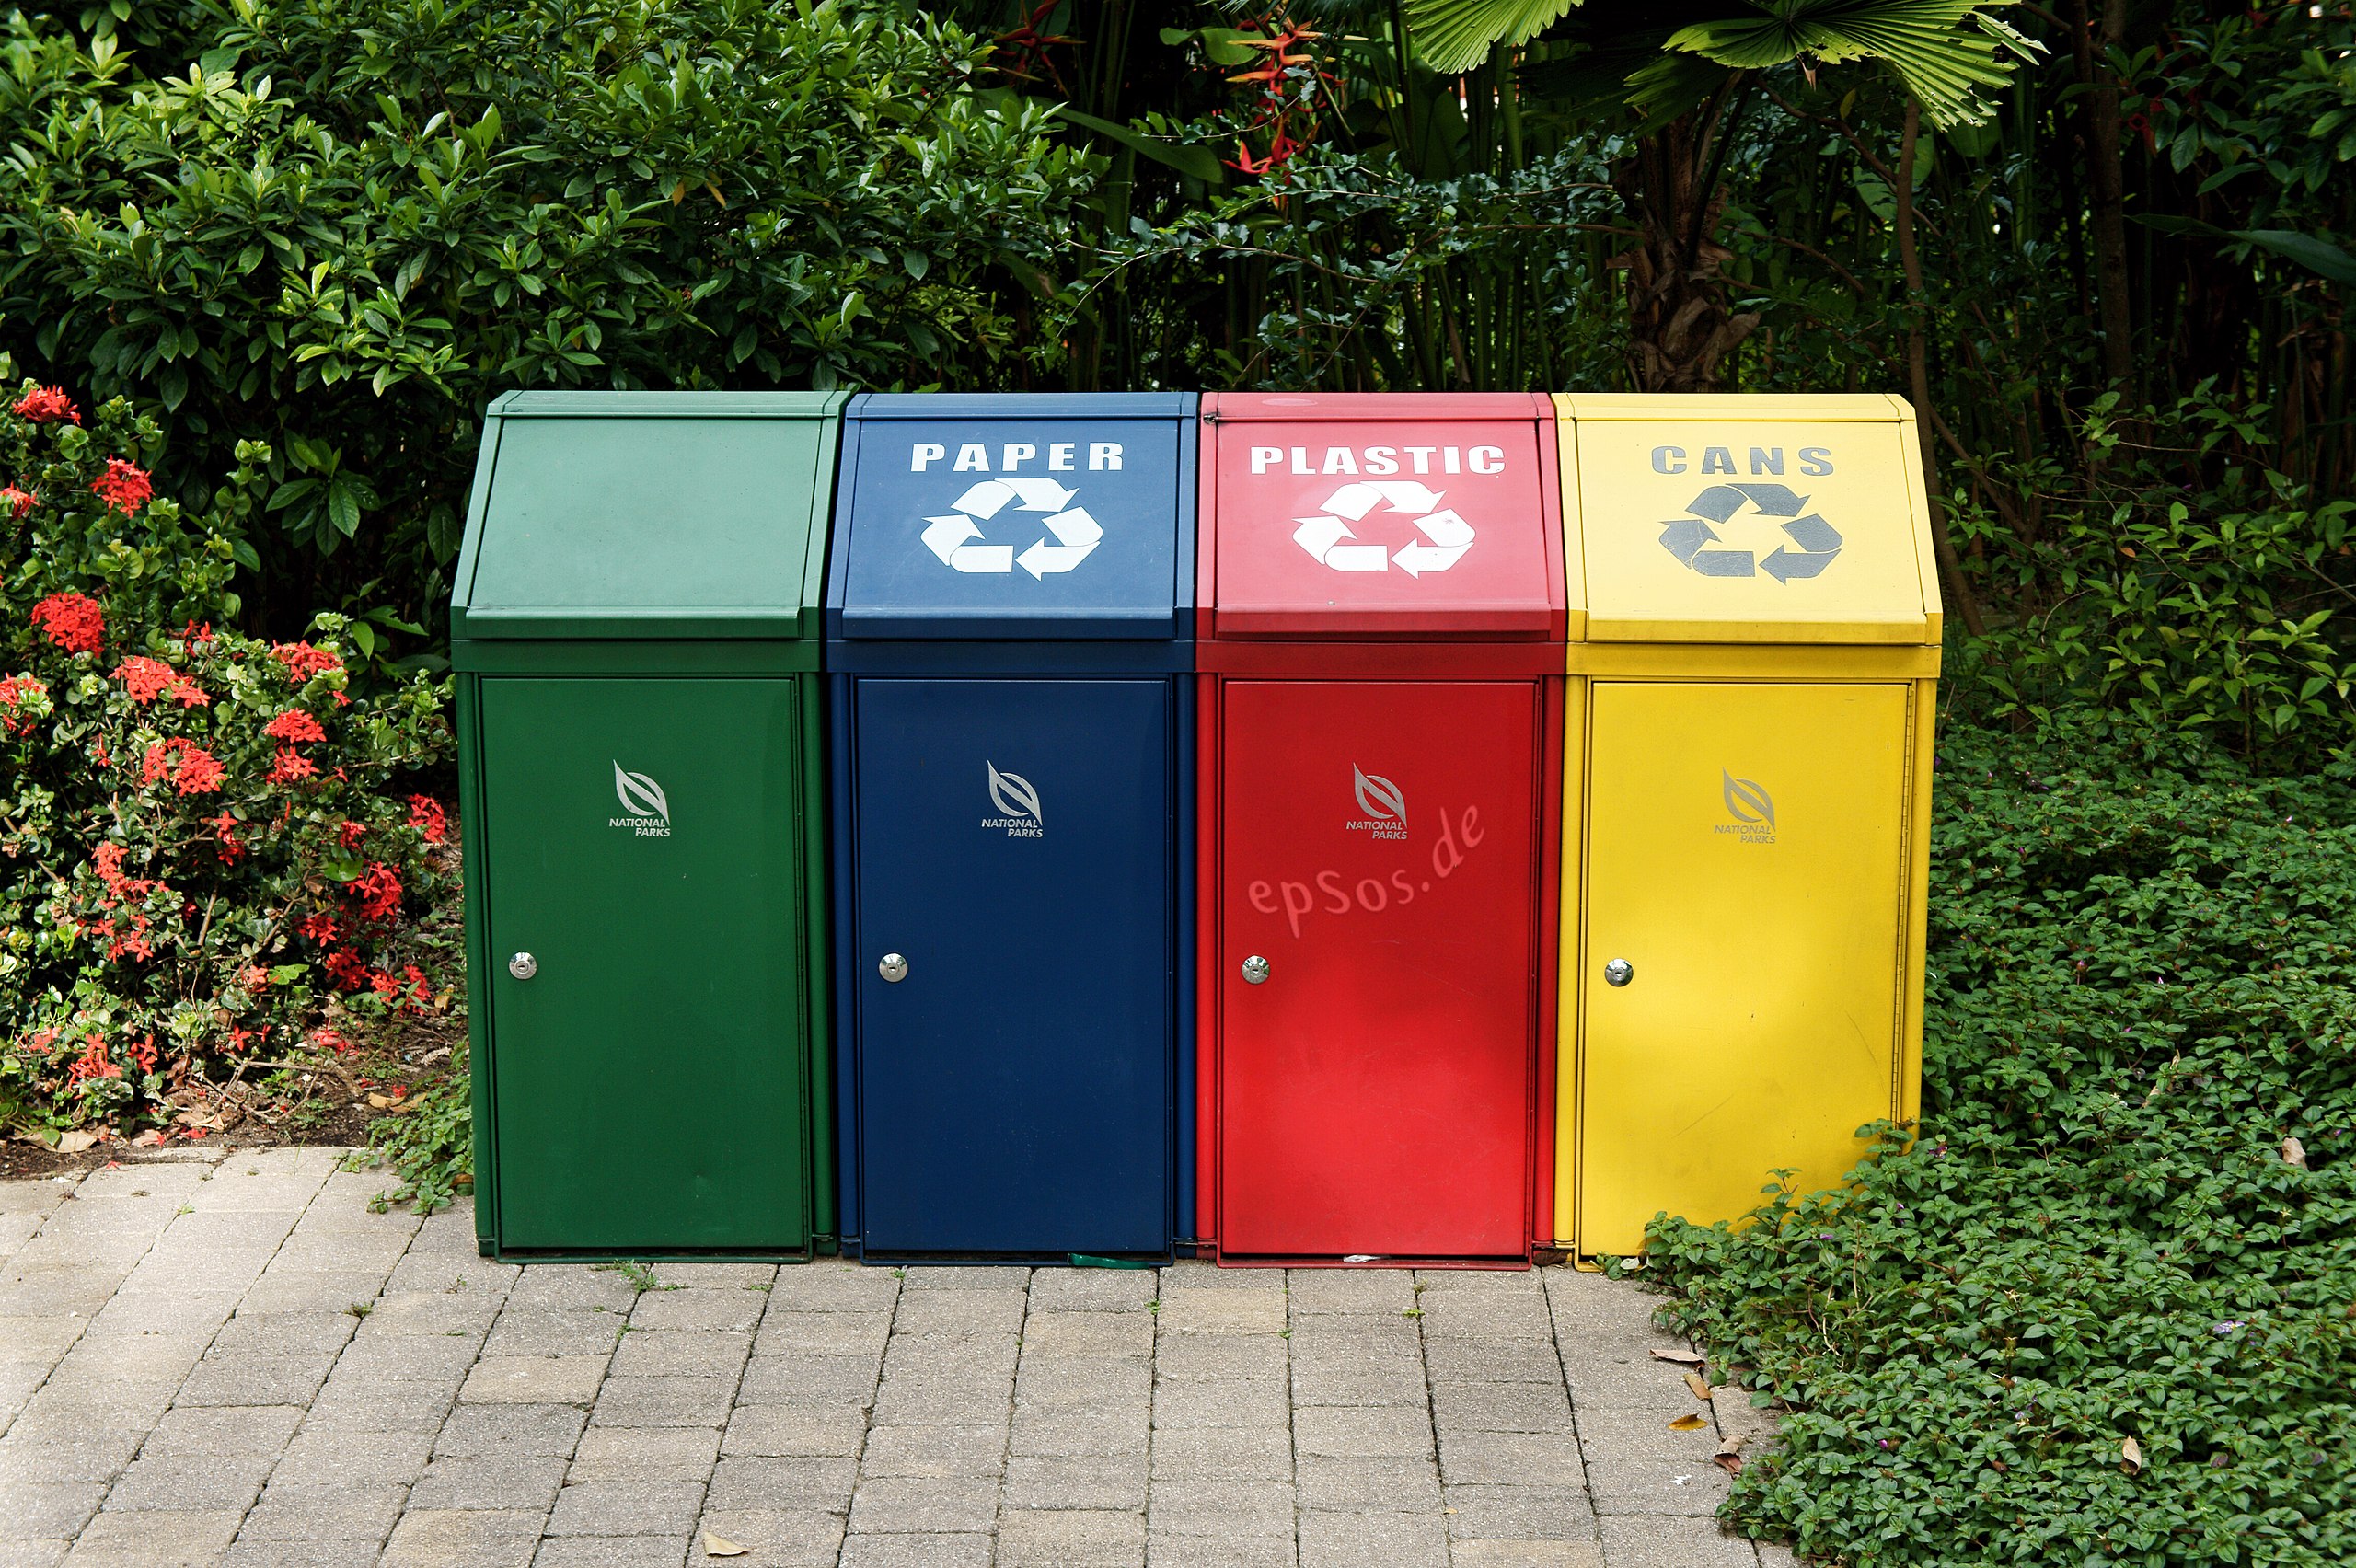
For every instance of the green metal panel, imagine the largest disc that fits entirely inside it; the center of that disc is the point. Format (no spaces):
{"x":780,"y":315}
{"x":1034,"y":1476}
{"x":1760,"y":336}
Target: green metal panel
{"x":675,"y":515}
{"x":583,"y":656}
{"x":649,"y":1089}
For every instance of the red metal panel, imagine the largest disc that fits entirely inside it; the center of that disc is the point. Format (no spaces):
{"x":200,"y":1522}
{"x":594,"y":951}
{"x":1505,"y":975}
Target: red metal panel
{"x":1380,"y":846}
{"x":1401,"y":518}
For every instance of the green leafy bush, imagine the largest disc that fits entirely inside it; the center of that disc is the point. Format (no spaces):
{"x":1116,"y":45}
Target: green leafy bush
{"x":344,"y":227}
{"x":2129,"y":1213}
{"x":203,"y":836}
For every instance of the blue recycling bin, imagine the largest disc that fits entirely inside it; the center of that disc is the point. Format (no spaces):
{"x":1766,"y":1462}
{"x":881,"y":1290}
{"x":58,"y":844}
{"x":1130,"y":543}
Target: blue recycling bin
{"x":1009,"y":609}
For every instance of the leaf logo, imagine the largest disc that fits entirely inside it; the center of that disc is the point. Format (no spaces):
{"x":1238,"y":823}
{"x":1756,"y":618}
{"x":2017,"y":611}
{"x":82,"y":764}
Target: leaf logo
{"x":1378,"y":797}
{"x":1742,"y":792}
{"x":1012,"y":794}
{"x":640,"y":796}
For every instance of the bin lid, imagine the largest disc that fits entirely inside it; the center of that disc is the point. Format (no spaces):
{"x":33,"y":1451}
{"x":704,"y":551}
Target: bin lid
{"x":1382,"y":516}
{"x":1014,"y":517}
{"x":1747,"y":519}
{"x":647,"y":515}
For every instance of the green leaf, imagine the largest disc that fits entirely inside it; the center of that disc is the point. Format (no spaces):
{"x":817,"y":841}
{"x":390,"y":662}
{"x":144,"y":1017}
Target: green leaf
{"x":1192,"y":159}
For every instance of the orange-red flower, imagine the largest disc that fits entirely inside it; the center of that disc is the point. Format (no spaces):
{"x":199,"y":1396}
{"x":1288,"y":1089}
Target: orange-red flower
{"x":46,"y":405}
{"x":302,"y":661}
{"x":73,"y":621}
{"x":124,"y":486}
{"x":17,"y":499}
{"x":192,"y":768}
{"x":295,"y":726}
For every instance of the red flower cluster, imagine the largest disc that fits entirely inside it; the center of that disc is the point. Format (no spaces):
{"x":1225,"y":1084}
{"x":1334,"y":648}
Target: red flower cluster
{"x":378,"y":889}
{"x":320,"y":928}
{"x":225,"y":828}
{"x":20,"y":703}
{"x":93,"y":1063}
{"x":73,"y":621}
{"x":289,"y":768}
{"x":302,"y":661}
{"x":17,"y":499}
{"x":295,"y":726}
{"x":425,"y":814}
{"x":47,"y":405}
{"x":351,"y":834}
{"x":189,"y":767}
{"x":327,"y":1038}
{"x":147,"y":679}
{"x":123,"y":487}
{"x":123,"y":893}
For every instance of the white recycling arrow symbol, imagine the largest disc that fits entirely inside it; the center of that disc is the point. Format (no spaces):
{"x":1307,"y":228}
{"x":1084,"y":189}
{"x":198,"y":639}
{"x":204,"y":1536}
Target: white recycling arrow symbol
{"x":954,"y":536}
{"x":1445,"y":536}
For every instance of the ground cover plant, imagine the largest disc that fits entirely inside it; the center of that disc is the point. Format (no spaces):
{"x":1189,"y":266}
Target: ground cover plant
{"x":2101,"y":1307}
{"x":214,"y":849}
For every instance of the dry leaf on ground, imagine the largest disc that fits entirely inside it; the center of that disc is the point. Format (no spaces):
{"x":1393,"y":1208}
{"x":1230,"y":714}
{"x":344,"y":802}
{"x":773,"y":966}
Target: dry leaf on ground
{"x":2130,"y":1456}
{"x":75,"y":1142}
{"x":2295,"y":1153}
{"x":1689,"y":1423}
{"x":1682,"y":1357}
{"x":720,"y":1546}
{"x":1700,"y":1385}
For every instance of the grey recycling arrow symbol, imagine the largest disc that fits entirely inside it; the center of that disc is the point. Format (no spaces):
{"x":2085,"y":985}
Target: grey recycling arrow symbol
{"x":1723,"y":563}
{"x":1775,"y":501}
{"x":1683,"y":536}
{"x":1782,"y":565}
{"x":1813,"y":534}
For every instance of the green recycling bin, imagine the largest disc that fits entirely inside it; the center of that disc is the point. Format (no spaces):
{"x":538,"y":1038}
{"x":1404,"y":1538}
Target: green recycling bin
{"x":635,"y":630}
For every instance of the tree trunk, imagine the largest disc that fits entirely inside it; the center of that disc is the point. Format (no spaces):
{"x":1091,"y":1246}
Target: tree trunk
{"x":1918,"y":369}
{"x":2106,"y":182}
{"x":1680,"y":324}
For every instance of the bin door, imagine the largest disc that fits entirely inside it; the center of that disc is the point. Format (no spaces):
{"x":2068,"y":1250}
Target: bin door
{"x":1379,"y":851}
{"x":649,"y":1080}
{"x":1015,"y":846}
{"x":1743,"y":852}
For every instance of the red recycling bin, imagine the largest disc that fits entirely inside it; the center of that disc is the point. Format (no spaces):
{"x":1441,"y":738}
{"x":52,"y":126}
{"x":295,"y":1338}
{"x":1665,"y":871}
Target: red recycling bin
{"x":1380,"y":617}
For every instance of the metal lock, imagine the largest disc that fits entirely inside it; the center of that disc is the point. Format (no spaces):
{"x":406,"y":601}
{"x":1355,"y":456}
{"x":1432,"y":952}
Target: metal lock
{"x":1255,"y":970}
{"x":893,"y":967}
{"x":523,"y":966}
{"x":1618,"y":971}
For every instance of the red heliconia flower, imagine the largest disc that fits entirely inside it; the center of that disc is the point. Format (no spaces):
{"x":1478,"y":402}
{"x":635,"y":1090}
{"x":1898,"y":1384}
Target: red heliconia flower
{"x":73,"y":621}
{"x":47,"y":405}
{"x":295,"y":726}
{"x":124,"y":486}
{"x":426,"y":815}
{"x":18,"y":500}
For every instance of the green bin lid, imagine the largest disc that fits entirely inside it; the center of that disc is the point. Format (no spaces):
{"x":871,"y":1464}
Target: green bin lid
{"x":649,"y":514}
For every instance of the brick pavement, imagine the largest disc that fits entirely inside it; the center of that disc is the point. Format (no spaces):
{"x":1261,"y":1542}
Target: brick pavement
{"x":231,"y":1361}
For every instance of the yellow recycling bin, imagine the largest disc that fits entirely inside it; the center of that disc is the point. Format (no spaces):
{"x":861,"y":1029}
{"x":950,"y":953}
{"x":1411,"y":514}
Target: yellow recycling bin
{"x":1754,"y":651}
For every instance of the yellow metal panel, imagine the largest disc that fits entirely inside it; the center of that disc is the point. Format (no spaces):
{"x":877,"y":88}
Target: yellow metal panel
{"x":1923,"y":738}
{"x":1566,"y":442}
{"x":1748,"y":519}
{"x":1727,"y":407}
{"x":1926,"y":554}
{"x":1569,"y":965}
{"x":1753,"y":661}
{"x":1744,"y":852}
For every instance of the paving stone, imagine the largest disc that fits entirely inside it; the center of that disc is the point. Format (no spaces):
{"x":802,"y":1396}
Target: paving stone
{"x":150,"y":1538}
{"x":1080,"y":1333}
{"x":1076,"y":1480}
{"x":494,"y":1429}
{"x":1673,"y":1543}
{"x":1640,"y":1486}
{"x":255,"y":1378}
{"x":753,"y":1277}
{"x":770,"y":1537}
{"x":310,"y":1516}
{"x":1355,"y":1540}
{"x":1196,"y":1273}
{"x":167,"y":1312}
{"x":406,"y":1358}
{"x":463,"y":1539}
{"x":1773,"y":1554}
{"x":826,"y":1285}
{"x":1195,"y":1310}
{"x":698,"y":1310}
{"x":1221,"y":1551}
{"x":1492,"y":1361}
{"x":627,"y":1507}
{"x":512,"y":1482}
{"x":645,"y":1453}
{"x":908,"y":1504}
{"x":1501,"y":1407}
{"x":1091,"y":1382}
{"x":934,"y":1450}
{"x":1539,"y":1553}
{"x":576,"y":1286}
{"x":225,"y":1429}
{"x":197,"y":1483}
{"x":674,"y":1352}
{"x":1526,"y":1459}
{"x":1223,"y":1453}
{"x":433,"y":1312}
{"x":959,"y":1313}
{"x":823,"y":1485}
{"x":846,"y":1332}
{"x":313,"y":1290}
{"x":586,"y":1331}
{"x":1091,"y":1290}
{"x":1392,"y":1383}
{"x":1316,"y":1292}
{"x":534,"y":1380}
{"x":937,"y":1277}
{"x":317,"y":1552}
{"x":968,"y":1550}
{"x":355,"y":1404}
{"x":28,"y":1455}
{"x":809,"y":1380}
{"x":940,"y":1357}
{"x":1118,"y":1430}
{"x":36,"y":1339}
{"x":1196,"y":1507}
{"x":1518,"y":1513}
{"x":1071,"y":1539}
{"x":1256,"y":1404}
{"x":1190,"y":1356}
{"x":1369,"y":1484}
{"x":1353,"y":1432}
{"x":916,"y":1401}
{"x":664,"y":1401}
{"x":820,"y":1432}
{"x":1621,"y":1434}
{"x":611,"y":1551}
{"x":52,"y":1510}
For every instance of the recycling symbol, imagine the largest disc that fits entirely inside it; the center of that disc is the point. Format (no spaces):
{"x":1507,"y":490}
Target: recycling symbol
{"x":954,"y":536}
{"x":1688,"y":537}
{"x":1445,"y":537}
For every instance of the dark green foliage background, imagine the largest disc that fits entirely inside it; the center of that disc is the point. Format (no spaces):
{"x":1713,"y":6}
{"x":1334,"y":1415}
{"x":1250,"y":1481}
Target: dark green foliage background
{"x":2142,"y":980}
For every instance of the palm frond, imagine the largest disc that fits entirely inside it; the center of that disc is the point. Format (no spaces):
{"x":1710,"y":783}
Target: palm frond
{"x":1453,"y":36}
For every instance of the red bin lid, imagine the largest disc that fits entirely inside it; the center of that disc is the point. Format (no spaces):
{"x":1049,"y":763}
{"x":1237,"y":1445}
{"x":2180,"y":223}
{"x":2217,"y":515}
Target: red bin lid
{"x":1381,"y":517}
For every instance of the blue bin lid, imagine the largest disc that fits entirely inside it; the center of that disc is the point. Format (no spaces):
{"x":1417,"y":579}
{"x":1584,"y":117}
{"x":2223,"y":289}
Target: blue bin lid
{"x":1015,"y":518}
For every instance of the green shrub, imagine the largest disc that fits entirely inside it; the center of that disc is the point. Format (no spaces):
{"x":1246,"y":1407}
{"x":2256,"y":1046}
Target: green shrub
{"x":344,"y":227}
{"x":203,"y":836}
{"x":2142,"y":982}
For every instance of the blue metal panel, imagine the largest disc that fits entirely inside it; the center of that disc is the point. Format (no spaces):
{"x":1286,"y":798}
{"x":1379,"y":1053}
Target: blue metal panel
{"x":1018,"y":1093}
{"x":973,"y":518}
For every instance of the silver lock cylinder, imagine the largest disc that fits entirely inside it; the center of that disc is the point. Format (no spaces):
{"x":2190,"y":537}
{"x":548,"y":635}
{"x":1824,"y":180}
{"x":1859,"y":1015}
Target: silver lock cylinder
{"x":523,"y":966}
{"x":893,"y":967}
{"x":1618,"y":971}
{"x":1255,"y":968}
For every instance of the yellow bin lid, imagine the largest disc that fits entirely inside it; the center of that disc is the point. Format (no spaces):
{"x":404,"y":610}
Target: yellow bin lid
{"x":1765,"y":518}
